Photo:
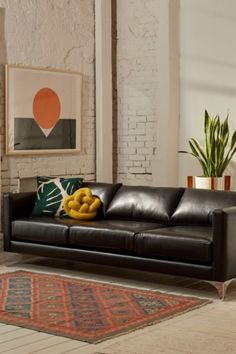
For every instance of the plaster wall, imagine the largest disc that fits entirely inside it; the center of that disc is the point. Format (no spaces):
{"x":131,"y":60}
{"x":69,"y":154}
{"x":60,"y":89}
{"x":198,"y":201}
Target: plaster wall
{"x":50,"y":34}
{"x":208,"y":71}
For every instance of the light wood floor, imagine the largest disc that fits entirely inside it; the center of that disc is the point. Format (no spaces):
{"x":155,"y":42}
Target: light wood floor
{"x":210,"y":329}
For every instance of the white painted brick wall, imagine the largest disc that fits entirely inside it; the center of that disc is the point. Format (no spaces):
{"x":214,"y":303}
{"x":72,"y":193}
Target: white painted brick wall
{"x":60,"y":34}
{"x":52,"y":34}
{"x":137,"y":82}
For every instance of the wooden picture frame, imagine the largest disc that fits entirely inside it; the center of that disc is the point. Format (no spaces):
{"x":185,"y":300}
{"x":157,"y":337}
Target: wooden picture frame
{"x":43,"y":111}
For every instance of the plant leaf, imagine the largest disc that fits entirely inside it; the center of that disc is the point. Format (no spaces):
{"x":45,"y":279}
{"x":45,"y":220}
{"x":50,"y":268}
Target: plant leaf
{"x":215,"y":155}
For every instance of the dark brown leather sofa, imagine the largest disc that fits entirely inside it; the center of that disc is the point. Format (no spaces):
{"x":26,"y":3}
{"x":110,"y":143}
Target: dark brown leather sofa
{"x":188,"y":232}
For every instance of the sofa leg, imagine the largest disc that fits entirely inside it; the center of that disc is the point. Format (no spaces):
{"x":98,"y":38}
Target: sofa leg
{"x":221,"y":287}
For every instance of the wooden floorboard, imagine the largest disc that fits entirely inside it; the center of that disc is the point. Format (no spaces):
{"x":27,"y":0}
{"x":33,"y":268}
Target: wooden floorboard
{"x":19,"y":343}
{"x":207,"y":330}
{"x":39,"y":344}
{"x":63,"y":347}
{"x":14,"y":334}
{"x":8,"y":328}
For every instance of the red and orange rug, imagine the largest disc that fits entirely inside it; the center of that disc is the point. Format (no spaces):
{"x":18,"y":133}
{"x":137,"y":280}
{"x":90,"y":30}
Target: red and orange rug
{"x":83,"y":310}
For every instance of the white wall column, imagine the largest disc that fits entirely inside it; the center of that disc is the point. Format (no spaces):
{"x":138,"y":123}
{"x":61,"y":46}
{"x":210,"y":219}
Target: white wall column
{"x":103,"y":40}
{"x":208,"y":74}
{"x":165,"y":166}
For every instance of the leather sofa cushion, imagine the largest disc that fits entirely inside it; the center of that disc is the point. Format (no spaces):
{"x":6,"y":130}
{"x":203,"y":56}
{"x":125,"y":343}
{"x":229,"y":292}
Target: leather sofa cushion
{"x":186,"y":243}
{"x":107,"y":235}
{"x":105,"y":191}
{"x":197,"y":205}
{"x":144,"y":203}
{"x":45,"y":230}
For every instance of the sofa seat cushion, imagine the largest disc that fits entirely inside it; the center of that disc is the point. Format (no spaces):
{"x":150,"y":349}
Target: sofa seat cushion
{"x":187,"y":243}
{"x":45,"y":230}
{"x":107,"y":235}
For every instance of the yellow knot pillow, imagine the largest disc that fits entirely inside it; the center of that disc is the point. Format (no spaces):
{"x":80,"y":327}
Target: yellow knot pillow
{"x":82,"y":205}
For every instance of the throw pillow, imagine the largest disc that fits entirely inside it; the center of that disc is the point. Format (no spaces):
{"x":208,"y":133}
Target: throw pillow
{"x":51,"y":194}
{"x":82,"y":205}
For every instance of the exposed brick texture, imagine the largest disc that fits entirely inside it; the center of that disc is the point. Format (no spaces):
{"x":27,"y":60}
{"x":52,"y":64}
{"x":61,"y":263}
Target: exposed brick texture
{"x":60,"y":34}
{"x":49,"y":34}
{"x":137,"y":80}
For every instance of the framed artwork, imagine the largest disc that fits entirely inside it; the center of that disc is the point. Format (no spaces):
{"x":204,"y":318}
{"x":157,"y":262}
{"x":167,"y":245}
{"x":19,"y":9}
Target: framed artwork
{"x":43,"y":111}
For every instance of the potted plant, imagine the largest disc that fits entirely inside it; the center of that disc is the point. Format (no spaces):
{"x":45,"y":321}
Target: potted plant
{"x":215,"y":155}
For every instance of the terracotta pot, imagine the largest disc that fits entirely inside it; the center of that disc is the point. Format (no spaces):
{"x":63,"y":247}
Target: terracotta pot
{"x":218,"y":183}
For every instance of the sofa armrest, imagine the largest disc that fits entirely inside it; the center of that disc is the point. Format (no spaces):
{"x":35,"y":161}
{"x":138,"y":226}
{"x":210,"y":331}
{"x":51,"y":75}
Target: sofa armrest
{"x":15,"y":206}
{"x":224,"y":243}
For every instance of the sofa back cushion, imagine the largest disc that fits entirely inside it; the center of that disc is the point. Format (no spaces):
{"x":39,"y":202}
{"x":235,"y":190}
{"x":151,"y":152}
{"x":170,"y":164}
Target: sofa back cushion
{"x":197,"y":205}
{"x":105,"y":191}
{"x":145,"y":203}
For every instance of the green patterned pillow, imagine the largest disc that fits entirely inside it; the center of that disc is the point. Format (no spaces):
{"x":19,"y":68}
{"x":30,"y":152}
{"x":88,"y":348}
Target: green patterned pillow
{"x":51,"y":193}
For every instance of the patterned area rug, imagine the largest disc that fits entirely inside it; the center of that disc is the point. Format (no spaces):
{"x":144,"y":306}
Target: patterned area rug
{"x":83,"y":310}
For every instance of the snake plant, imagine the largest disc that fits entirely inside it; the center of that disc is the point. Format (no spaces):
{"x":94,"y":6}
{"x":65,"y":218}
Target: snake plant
{"x":216,"y":153}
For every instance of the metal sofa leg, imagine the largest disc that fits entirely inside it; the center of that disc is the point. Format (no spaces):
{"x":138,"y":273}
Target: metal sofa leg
{"x":221,"y":287}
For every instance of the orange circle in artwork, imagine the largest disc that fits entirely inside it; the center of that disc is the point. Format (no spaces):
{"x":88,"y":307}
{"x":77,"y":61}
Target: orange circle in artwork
{"x":46,"y":108}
